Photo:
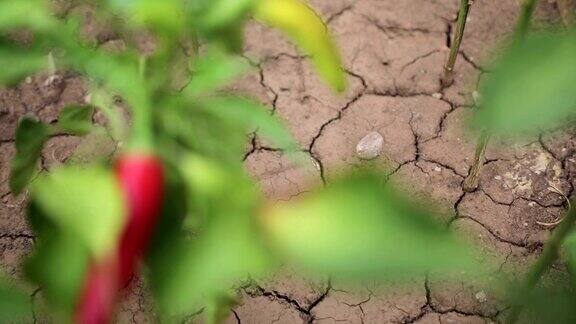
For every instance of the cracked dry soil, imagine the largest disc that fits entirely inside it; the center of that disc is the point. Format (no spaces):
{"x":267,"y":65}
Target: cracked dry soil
{"x":393,"y":53}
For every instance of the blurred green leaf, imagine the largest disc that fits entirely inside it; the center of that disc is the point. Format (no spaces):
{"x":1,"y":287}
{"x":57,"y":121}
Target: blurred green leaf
{"x":18,"y":63}
{"x":570,"y":247}
{"x":118,"y":72}
{"x":229,"y":38}
{"x":166,"y":14}
{"x":227,"y":248}
{"x":218,"y":308}
{"x":58,"y":263}
{"x":25,"y":13}
{"x":253,"y":116}
{"x":299,"y":22}
{"x":14,"y":305}
{"x":210,"y":191}
{"x":183,"y":122}
{"x":357,"y":229}
{"x":215,"y":70}
{"x":30,"y":138}
{"x":221,"y":22}
{"x":225,"y":13}
{"x":168,"y":231}
{"x":227,"y":252}
{"x":552,"y":303}
{"x":532,"y":86}
{"x":76,"y":120}
{"x":85,"y":202}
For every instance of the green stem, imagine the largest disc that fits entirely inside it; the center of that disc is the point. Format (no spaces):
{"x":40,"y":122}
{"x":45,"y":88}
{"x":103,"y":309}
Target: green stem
{"x":544,"y":262}
{"x":142,"y":135}
{"x":51,"y":64}
{"x":528,"y":7}
{"x":448,"y":77}
{"x":471,"y":182}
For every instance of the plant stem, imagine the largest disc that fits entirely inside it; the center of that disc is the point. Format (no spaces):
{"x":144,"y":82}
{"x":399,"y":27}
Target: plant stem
{"x":528,"y":7}
{"x":51,"y":64}
{"x":142,"y":117}
{"x":448,"y":77}
{"x":471,"y":182}
{"x":544,"y":262}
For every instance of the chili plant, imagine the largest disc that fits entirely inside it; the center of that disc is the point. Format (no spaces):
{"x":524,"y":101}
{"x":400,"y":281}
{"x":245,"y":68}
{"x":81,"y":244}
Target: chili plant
{"x":175,"y":205}
{"x":530,"y":92}
{"x":471,"y":182}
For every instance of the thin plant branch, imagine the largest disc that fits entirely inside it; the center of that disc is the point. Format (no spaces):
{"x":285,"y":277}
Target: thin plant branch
{"x":448,"y":77}
{"x":548,"y":256}
{"x":471,"y":182}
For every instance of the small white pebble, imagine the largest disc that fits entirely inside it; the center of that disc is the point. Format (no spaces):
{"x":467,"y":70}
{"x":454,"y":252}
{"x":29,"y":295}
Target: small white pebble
{"x":498,"y":177}
{"x":525,"y":224}
{"x":370,"y":146}
{"x":481,"y":296}
{"x":437,"y":169}
{"x":88,"y":98}
{"x":564,"y":149}
{"x":531,"y":204}
{"x":28,"y":80}
{"x":437,"y":95}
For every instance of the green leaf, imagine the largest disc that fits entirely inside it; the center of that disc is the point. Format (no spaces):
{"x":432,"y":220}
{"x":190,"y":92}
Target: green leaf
{"x":84,"y":202}
{"x":57,"y":264}
{"x":18,"y":63}
{"x":76,"y":120}
{"x":14,"y":305}
{"x":305,"y":27}
{"x":227,"y":247}
{"x":356,"y":229}
{"x":25,"y":13}
{"x":551,"y":302}
{"x":570,"y":247}
{"x":118,"y":72}
{"x":168,"y":231}
{"x":213,"y":71}
{"x":218,"y":308}
{"x":183,"y":122}
{"x":252,"y":116}
{"x":30,"y":138}
{"x":221,"y":22}
{"x":227,"y":252}
{"x":166,"y":15}
{"x":223,"y":13}
{"x":532,"y":86}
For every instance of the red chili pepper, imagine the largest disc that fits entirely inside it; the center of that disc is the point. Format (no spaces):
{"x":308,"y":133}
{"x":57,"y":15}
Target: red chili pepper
{"x":98,"y":296}
{"x":142,"y":182}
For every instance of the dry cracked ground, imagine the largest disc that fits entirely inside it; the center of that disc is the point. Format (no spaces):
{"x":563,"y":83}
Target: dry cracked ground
{"x":393,"y":53}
